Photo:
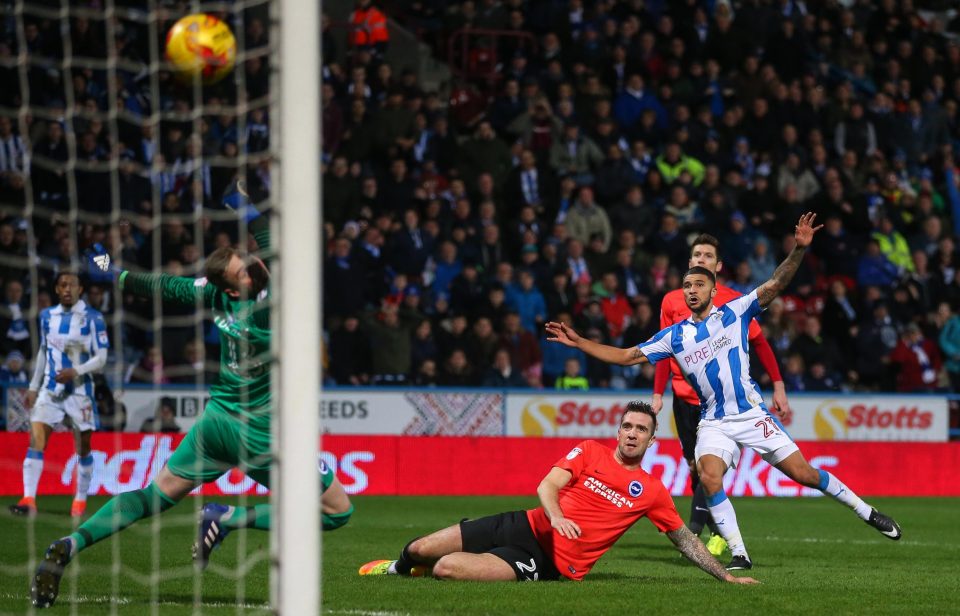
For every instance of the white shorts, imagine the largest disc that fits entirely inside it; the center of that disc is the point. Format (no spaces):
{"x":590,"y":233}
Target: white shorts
{"x":51,"y":409}
{"x":755,"y":428}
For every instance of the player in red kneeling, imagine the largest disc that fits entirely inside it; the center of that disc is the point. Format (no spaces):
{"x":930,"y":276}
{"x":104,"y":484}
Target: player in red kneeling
{"x":589,"y":499}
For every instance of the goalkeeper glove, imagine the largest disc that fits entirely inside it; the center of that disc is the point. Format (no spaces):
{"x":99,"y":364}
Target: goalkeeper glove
{"x":237,"y":199}
{"x":100,"y":267}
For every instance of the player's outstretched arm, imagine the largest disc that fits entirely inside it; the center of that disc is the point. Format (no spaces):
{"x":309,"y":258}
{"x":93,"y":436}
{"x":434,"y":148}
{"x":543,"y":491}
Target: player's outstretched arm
{"x":549,"y":493}
{"x":803,"y":234}
{"x":558,"y":332}
{"x":691,"y":547}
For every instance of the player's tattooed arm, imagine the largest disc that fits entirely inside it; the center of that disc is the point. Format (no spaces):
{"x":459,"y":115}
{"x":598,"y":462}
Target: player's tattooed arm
{"x":785,"y":271}
{"x":690,"y":546}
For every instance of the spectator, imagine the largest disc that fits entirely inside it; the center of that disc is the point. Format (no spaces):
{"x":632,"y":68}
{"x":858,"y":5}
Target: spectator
{"x":815,"y":348}
{"x":481,"y":344}
{"x":368,"y":29}
{"x":502,"y":373}
{"x":874,"y":269}
{"x":343,"y":276}
{"x":527,"y":301}
{"x":615,"y":307}
{"x":423,"y":346}
{"x":893,"y":245}
{"x":522,"y":345}
{"x":876,"y":339}
{"x":349,"y":353}
{"x":12,"y":372}
{"x":150,"y":368}
{"x":575,"y":155}
{"x":634,"y":100}
{"x":586,"y":218}
{"x":16,"y":333}
{"x":855,"y":134}
{"x":917,"y":360}
{"x":165,"y":418}
{"x":673,"y":163}
{"x":572,"y":377}
{"x":390,"y":343}
{"x":457,"y":371}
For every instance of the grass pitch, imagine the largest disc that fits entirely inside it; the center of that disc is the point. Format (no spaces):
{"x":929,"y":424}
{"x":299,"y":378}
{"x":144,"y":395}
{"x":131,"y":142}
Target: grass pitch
{"x":812,"y":555}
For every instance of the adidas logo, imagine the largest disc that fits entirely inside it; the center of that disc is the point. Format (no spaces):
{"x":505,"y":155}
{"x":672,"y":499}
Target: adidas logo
{"x":102,"y":262}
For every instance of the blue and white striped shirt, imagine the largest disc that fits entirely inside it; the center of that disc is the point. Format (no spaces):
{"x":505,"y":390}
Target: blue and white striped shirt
{"x":68,"y":339}
{"x":714,"y":357}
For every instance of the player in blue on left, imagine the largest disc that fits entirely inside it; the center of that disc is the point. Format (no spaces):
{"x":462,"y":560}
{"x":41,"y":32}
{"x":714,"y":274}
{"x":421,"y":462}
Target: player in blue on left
{"x":73,"y":346}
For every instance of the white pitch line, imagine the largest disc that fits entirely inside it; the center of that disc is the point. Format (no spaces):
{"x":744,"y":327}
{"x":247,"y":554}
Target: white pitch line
{"x":365,"y":613}
{"x":927,"y":544}
{"x":108,"y":600}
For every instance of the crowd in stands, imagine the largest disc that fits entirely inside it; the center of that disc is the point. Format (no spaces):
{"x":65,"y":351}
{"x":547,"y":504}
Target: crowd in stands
{"x":567,"y":187}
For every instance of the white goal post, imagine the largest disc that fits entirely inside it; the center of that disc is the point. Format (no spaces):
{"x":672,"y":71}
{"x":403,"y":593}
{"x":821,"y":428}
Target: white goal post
{"x":296,"y":495}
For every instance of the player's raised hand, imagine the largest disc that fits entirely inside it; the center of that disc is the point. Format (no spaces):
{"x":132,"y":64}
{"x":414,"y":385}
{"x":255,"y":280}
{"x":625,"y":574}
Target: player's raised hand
{"x":559,"y":332}
{"x":566,"y":528}
{"x":805,"y":230}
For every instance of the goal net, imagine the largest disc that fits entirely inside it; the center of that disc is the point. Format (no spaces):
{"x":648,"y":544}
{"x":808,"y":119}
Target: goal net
{"x":101,"y":144}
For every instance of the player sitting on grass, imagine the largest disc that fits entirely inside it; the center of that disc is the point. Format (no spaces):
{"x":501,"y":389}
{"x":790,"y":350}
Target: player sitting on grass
{"x":234,"y":430}
{"x":73,"y":346}
{"x":589,"y":499}
{"x":711,"y":348}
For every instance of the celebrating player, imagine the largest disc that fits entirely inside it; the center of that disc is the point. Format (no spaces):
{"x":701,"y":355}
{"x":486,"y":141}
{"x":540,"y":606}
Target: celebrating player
{"x":589,"y":499}
{"x":73,"y":346}
{"x":234,"y":430}
{"x":705,"y":252}
{"x":712,"y":349}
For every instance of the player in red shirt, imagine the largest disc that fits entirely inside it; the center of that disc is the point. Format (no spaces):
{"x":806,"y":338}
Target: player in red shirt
{"x":589,"y":499}
{"x":705,"y":252}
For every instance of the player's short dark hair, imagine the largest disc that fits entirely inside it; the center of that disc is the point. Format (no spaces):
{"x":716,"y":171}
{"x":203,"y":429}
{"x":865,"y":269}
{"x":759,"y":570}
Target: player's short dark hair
{"x":215,"y":268}
{"x":68,"y":271}
{"x":699,"y":269}
{"x":636,"y":406}
{"x":709,"y":240}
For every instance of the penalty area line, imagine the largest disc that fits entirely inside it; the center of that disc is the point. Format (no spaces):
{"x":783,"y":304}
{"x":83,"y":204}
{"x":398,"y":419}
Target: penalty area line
{"x":925,"y":544}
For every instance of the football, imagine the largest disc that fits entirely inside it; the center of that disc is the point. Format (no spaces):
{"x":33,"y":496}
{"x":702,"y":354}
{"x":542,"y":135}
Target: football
{"x":201,"y":47}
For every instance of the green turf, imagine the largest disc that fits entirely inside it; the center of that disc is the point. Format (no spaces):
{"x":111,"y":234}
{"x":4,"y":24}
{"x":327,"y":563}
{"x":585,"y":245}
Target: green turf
{"x":812,"y":555}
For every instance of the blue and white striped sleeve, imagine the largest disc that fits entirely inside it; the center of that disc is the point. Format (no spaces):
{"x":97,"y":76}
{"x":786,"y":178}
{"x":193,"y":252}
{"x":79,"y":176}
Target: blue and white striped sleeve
{"x":746,"y":306}
{"x":100,"y":338}
{"x":659,"y":347}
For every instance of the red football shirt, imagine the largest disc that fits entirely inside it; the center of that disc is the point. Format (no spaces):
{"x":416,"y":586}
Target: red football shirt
{"x":673,"y":310}
{"x":604,"y":499}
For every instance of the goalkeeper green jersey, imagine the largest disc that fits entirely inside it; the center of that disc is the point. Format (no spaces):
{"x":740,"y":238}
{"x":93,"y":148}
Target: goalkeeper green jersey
{"x":243,"y":386}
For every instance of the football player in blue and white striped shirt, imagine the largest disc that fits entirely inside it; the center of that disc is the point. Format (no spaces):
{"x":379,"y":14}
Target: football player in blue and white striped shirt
{"x":73,"y":345}
{"x":713,"y":352}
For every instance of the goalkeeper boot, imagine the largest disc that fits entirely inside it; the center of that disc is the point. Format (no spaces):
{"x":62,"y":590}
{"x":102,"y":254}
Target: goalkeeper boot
{"x":27,"y":506}
{"x":210,"y":532}
{"x":885,"y":524}
{"x":716,"y":545}
{"x":46,"y":581}
{"x":78,"y":508}
{"x":386,"y":567}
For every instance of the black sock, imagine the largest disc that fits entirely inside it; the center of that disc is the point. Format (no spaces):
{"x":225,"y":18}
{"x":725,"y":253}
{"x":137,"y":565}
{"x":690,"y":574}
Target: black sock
{"x":405,"y":563}
{"x":699,"y":513}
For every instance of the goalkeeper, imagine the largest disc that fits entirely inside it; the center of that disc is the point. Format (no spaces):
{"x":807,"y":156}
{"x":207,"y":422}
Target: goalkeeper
{"x":234,"y":430}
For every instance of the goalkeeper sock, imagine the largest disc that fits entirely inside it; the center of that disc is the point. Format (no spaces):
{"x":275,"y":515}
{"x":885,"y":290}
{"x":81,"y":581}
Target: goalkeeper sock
{"x":32,"y":469}
{"x":120,"y":512}
{"x":726,"y":518}
{"x":257,"y":517}
{"x":833,"y":487}
{"x":84,"y":476}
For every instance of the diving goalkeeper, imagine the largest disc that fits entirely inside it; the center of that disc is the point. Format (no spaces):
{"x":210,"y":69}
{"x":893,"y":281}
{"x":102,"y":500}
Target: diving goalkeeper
{"x":234,"y":429}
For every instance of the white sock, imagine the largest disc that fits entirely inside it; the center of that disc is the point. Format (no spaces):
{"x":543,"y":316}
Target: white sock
{"x":84,"y":476}
{"x":726,"y":519}
{"x":392,"y":569}
{"x":833,"y":487}
{"x":32,"y":469}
